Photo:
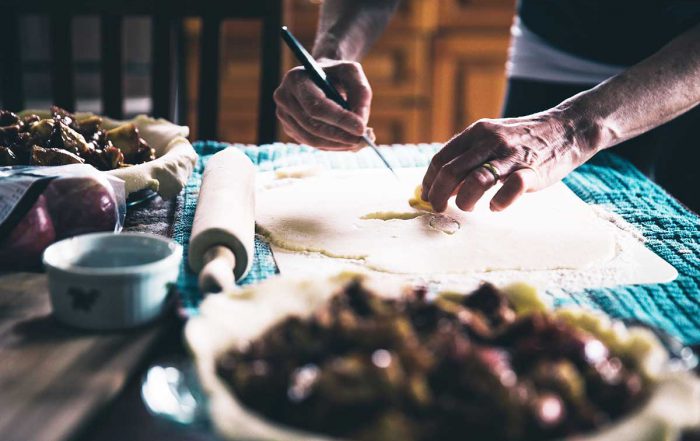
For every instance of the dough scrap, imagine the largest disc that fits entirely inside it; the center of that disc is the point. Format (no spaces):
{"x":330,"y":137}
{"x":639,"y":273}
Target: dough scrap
{"x":418,"y":202}
{"x":391,"y":215}
{"x":298,"y":171}
{"x":352,"y":215}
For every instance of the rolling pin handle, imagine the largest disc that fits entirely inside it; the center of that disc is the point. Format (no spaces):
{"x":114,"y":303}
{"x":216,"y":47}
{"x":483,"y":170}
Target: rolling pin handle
{"x":217,"y":274}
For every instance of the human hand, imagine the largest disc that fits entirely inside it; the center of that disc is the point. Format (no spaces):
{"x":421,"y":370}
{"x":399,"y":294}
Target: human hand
{"x":526,"y":154}
{"x":311,"y":118}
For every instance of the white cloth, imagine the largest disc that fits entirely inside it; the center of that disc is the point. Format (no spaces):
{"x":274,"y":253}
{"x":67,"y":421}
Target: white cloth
{"x":531,"y":57}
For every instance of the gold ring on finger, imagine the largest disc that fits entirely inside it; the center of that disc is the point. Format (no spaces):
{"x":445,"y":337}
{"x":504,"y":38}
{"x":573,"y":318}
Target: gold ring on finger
{"x":488,"y":166}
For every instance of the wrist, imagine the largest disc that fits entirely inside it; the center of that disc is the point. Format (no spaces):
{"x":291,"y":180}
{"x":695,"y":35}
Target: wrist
{"x":328,"y":47}
{"x":584,"y":128}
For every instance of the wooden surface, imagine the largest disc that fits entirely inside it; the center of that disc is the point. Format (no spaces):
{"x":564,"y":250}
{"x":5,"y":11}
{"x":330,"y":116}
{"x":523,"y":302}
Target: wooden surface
{"x":54,"y":378}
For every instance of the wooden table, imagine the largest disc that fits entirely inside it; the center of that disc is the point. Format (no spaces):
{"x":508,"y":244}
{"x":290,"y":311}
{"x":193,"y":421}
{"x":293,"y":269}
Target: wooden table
{"x":58,"y":383}
{"x":54,"y":379}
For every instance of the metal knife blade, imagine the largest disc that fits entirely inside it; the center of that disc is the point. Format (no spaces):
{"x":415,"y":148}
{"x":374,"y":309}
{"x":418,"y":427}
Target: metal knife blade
{"x":374,"y":147}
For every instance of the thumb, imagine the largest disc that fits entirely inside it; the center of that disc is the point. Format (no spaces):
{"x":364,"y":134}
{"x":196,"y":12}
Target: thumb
{"x":352,"y":82}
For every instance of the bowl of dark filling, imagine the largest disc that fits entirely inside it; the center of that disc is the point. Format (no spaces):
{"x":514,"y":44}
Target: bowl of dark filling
{"x":363,"y":366}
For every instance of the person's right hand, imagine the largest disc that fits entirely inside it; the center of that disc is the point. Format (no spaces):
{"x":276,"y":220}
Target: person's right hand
{"x":311,"y":118}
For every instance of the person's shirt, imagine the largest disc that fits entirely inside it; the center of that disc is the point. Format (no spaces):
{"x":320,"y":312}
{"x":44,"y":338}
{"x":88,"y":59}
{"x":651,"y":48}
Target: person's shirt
{"x":587,"y":41}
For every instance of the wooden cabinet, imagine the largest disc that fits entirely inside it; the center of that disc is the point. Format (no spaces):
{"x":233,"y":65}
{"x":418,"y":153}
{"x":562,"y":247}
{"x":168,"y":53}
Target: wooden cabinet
{"x":470,"y":53}
{"x":437,"y":68}
{"x":469,"y":15}
{"x":398,"y":68}
{"x":469,"y":81}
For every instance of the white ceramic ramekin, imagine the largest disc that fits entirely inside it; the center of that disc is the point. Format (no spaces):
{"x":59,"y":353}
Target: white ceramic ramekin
{"x":107,"y":281}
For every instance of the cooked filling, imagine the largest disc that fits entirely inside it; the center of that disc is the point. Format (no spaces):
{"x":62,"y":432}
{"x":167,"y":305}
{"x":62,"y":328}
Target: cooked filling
{"x":66,"y":139}
{"x":459,"y":367}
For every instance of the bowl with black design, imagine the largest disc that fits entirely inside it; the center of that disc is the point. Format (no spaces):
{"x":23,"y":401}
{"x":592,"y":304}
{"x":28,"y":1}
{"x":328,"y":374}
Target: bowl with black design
{"x":107,"y":281}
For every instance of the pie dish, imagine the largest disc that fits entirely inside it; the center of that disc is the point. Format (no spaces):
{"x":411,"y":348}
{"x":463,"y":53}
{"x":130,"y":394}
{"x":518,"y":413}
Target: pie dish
{"x":162,"y":160}
{"x":235,"y":321}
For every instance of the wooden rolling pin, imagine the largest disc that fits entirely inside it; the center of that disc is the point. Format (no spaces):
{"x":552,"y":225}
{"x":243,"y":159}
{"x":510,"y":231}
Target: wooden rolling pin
{"x":223,"y":232}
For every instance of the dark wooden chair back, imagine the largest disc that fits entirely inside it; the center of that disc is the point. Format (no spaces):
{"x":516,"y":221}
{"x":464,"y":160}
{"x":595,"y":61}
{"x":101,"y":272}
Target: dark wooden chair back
{"x":164,"y":15}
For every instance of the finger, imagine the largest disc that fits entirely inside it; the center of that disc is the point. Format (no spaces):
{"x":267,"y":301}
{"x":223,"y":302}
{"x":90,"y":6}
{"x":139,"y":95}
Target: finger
{"x":300,"y":135}
{"x":474,"y":187}
{"x":319,"y":107}
{"x":514,"y":186}
{"x":356,"y":87}
{"x":317,"y":127}
{"x":457,"y":146}
{"x":451,"y":175}
{"x":449,"y":151}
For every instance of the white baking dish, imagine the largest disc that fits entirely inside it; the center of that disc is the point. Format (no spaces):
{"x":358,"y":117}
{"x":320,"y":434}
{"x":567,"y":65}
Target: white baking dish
{"x":107,"y":281}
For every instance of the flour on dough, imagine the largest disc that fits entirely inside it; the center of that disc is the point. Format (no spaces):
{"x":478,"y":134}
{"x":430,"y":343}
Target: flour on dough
{"x":364,"y":215}
{"x":298,"y":171}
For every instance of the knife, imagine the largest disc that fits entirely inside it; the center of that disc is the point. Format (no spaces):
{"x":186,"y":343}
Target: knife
{"x":318,"y":76}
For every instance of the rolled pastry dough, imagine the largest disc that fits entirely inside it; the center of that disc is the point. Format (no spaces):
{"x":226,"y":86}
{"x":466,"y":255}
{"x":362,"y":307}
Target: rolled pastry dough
{"x":364,"y":215}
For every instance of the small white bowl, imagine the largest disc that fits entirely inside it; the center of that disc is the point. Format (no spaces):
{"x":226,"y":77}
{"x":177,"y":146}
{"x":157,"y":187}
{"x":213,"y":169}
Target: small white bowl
{"x":107,"y":281}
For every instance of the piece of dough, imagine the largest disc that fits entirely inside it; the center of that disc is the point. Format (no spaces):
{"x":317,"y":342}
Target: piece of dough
{"x":298,"y":171}
{"x":364,"y":215}
{"x":175,"y":158}
{"x":417,"y":201}
{"x":167,"y":174}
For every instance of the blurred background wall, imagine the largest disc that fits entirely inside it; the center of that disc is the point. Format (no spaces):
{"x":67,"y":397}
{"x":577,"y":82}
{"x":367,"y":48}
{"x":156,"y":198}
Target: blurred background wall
{"x":439,"y":67}
{"x":86,"y":47}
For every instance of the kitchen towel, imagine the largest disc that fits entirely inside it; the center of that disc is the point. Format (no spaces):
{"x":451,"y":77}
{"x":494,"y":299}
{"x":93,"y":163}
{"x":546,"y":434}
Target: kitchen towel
{"x":672,"y":231}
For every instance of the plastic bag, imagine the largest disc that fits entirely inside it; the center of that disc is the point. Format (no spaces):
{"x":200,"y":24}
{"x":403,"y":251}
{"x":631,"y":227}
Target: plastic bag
{"x":40,"y":205}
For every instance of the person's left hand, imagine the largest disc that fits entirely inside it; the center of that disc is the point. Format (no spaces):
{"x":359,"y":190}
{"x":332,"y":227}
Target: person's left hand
{"x":526,"y":154}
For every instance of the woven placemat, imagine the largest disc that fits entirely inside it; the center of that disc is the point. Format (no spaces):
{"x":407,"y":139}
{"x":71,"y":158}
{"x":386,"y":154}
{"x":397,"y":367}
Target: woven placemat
{"x":671,"y":231}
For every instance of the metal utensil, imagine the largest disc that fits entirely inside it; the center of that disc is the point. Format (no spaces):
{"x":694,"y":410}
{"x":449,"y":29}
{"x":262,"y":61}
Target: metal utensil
{"x":172,"y":391}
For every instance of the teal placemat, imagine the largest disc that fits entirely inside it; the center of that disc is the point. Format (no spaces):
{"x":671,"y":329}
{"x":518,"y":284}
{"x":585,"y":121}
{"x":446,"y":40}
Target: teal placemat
{"x":672,"y":231}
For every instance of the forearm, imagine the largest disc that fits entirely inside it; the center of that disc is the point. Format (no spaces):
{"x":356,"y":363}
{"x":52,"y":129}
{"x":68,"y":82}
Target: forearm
{"x":347,"y":28}
{"x":658,"y":89}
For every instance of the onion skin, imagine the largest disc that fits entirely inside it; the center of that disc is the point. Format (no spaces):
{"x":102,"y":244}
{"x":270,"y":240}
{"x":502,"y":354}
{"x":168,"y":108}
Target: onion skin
{"x":23,"y":248}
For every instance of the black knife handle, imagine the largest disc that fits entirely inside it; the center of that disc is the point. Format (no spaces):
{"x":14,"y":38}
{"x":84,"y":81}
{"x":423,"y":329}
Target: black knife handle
{"x":318,"y":76}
